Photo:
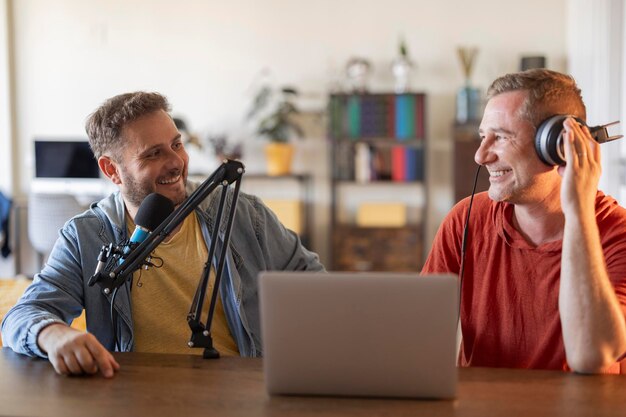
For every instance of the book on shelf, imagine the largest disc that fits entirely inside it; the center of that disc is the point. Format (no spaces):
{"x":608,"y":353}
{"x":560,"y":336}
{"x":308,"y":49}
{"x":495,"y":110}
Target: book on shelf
{"x":398,"y":163}
{"x":362,"y":162}
{"x":374,"y":117}
{"x":354,"y":116}
{"x":381,"y":164}
{"x":414,"y":164}
{"x":336,"y":119}
{"x":405,"y":116}
{"x":420,"y":112}
{"x":344,"y":163}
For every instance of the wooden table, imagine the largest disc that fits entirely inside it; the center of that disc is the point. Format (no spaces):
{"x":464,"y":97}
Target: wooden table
{"x":179,"y":385}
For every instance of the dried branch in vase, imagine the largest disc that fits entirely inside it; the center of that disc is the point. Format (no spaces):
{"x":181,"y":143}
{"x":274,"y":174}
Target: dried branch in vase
{"x":467,"y":55}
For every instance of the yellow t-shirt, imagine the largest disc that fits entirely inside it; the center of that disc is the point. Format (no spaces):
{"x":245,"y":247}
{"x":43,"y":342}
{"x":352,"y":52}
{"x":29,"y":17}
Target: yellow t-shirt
{"x":162,"y":295}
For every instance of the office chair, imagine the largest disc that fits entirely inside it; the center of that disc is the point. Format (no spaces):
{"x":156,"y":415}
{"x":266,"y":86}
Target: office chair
{"x":47,"y":213}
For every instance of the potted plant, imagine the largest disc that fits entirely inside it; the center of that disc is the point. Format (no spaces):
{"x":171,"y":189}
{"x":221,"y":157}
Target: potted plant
{"x":273,"y":110}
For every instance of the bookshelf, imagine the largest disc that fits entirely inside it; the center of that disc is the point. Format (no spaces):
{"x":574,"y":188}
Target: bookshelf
{"x":378,"y":181}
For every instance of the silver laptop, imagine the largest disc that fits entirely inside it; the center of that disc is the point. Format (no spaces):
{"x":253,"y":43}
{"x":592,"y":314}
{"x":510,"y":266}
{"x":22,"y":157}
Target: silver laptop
{"x":359,"y":334}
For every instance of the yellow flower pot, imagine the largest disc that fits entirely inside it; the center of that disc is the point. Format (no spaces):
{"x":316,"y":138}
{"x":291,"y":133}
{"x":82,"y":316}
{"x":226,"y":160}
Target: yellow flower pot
{"x":279,"y":157}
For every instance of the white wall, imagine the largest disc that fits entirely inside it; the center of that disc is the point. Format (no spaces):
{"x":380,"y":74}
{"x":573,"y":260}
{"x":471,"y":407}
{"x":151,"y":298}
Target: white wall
{"x":7,"y":266}
{"x":204,"y":55}
{"x":6,"y":142}
{"x":596,"y":54}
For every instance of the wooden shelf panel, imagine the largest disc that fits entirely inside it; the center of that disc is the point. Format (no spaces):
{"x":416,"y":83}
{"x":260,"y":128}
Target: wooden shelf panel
{"x":377,"y":248}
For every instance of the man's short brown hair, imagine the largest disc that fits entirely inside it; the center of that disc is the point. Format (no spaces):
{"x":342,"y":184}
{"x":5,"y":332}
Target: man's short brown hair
{"x":104,"y":126}
{"x":548,"y":93}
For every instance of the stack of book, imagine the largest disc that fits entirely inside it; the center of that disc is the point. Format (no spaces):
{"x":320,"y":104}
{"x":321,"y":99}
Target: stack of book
{"x":393,"y":116}
{"x":378,"y":163}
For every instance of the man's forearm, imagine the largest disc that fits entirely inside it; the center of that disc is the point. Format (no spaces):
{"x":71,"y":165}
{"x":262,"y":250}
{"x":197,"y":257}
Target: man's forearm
{"x":594,"y":330}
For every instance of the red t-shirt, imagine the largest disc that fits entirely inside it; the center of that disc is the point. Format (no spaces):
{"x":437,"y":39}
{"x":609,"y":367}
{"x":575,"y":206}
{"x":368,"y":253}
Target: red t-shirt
{"x":509,"y":303}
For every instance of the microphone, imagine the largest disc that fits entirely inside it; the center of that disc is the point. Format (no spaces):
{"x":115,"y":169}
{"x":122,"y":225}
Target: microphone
{"x":152,"y":211}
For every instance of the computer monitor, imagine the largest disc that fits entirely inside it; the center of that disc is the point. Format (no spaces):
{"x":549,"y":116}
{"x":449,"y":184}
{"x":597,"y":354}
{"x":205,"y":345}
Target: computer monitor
{"x":65,"y":159}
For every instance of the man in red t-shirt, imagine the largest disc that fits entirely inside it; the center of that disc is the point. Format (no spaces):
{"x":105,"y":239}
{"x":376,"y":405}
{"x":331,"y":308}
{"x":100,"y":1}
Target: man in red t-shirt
{"x":544,"y":282}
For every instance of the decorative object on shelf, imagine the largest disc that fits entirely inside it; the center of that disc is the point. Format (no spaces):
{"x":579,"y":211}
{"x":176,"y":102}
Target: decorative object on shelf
{"x":358,"y":71}
{"x":401,"y":68}
{"x":274,"y":110}
{"x":468,"y":97}
{"x":530,"y":62}
{"x":223,"y":149}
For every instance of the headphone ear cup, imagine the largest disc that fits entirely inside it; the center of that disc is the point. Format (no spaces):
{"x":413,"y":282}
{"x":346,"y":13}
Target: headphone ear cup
{"x":548,"y":140}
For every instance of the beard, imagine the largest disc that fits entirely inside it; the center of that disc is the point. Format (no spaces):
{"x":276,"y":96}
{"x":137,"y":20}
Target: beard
{"x":501,"y":195}
{"x":136,"y":191}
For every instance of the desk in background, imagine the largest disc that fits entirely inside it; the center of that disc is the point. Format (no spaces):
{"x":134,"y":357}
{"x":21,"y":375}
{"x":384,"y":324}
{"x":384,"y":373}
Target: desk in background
{"x":176,"y":385}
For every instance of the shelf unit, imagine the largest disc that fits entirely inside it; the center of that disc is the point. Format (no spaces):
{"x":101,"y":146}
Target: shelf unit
{"x":378,"y":181}
{"x":466,"y":143}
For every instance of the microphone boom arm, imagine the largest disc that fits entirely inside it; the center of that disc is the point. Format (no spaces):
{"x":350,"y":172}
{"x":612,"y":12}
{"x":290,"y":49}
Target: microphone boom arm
{"x":227,"y":173}
{"x":201,"y":333}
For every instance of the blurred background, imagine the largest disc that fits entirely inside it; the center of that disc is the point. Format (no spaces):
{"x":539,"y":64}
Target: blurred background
{"x":60,"y":59}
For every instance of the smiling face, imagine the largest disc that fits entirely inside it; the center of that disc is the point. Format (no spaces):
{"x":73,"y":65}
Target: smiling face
{"x":507,"y":150}
{"x":153,"y":159}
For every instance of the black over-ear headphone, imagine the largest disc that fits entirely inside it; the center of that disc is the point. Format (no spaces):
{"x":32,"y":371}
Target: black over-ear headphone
{"x":549,"y":138}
